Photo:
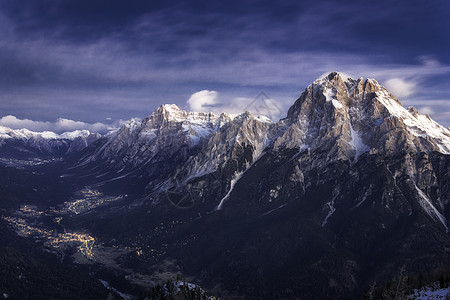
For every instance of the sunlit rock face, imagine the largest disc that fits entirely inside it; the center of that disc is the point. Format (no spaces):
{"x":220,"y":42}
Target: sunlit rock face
{"x":350,"y":117}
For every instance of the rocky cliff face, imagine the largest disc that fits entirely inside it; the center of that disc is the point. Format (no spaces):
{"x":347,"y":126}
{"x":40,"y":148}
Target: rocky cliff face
{"x":350,"y":117}
{"x":340,"y":119}
{"x":337,"y":195}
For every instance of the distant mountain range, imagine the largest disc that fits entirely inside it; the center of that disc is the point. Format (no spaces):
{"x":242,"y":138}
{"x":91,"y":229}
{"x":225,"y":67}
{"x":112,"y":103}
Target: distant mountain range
{"x":340,"y":194}
{"x":26,"y":144}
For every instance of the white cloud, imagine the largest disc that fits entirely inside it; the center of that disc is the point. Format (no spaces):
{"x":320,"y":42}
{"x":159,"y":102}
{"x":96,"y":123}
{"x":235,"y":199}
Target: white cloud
{"x":429,"y":61}
{"x":400,"y":87}
{"x":262,"y":104}
{"x":59,"y":126}
{"x":203,"y":100}
{"x":426,"y":110}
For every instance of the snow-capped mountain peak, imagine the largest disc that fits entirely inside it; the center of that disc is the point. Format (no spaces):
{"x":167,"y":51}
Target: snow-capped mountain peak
{"x":169,"y":127}
{"x":338,"y":112}
{"x":171,"y":112}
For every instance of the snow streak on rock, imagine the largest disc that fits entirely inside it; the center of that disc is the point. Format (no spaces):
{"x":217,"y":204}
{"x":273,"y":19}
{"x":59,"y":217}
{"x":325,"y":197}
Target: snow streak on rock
{"x":430,"y":209}
{"x":233,"y":182}
{"x":332,"y":209}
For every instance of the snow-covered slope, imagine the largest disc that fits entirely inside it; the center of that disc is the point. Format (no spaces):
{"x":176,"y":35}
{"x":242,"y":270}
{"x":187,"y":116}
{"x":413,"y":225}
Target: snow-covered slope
{"x":421,"y":126}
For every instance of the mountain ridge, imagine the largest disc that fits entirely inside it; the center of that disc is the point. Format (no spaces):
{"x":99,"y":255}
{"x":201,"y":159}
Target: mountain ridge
{"x":339,"y":116}
{"x":339,"y":194}
{"x":28,"y":144}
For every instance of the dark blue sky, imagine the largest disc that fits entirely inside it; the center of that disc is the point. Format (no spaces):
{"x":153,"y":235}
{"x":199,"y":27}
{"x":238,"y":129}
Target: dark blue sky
{"x":101,"y":61}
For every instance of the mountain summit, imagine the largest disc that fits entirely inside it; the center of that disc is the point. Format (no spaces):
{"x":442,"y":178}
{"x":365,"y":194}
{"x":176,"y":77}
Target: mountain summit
{"x":350,"y":117}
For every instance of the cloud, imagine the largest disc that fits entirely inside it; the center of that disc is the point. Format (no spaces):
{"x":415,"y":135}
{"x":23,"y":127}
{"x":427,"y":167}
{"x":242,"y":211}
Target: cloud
{"x":59,"y":126}
{"x":426,"y":110}
{"x":203,"y":100}
{"x":400,"y":87}
{"x":261,"y":104}
{"x":429,"y":61}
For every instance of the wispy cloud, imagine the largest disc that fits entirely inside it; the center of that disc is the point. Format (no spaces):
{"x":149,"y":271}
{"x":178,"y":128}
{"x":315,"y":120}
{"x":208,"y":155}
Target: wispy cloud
{"x":400,"y":87}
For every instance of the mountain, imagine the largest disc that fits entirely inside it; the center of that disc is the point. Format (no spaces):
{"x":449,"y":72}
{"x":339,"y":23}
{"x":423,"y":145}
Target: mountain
{"x":172,"y":145}
{"x":26,"y":144}
{"x":342,"y":193}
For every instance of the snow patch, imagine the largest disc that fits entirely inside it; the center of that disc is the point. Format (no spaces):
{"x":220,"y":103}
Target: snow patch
{"x":132,"y":124}
{"x":48,"y":135}
{"x":432,"y":291}
{"x":357,"y":143}
{"x":263,"y":119}
{"x":171,"y":108}
{"x":337,"y":104}
{"x":179,"y":284}
{"x":329,"y":94}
